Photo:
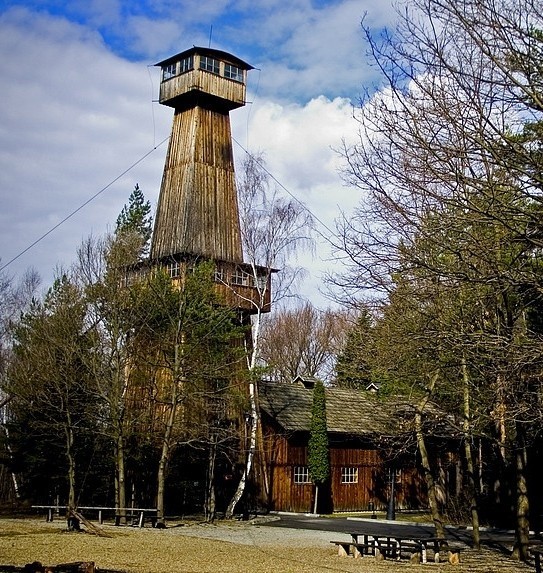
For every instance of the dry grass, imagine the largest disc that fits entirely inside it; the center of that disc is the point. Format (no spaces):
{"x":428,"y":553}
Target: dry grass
{"x":225,"y":548}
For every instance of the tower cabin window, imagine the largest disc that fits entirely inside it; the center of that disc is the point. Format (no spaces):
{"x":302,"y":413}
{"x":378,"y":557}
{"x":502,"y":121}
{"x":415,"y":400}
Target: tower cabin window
{"x":186,"y":64}
{"x":209,"y":64}
{"x":169,"y":71}
{"x":233,"y":73}
{"x":180,"y":67}
{"x":240,"y":278}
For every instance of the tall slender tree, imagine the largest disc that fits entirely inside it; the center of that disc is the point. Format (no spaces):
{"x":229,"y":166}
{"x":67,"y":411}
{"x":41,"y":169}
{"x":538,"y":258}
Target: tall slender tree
{"x":318,"y":454}
{"x":49,"y":380}
{"x":273,"y":229}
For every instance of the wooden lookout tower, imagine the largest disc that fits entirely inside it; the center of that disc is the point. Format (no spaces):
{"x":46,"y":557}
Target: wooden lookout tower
{"x":197,"y":216}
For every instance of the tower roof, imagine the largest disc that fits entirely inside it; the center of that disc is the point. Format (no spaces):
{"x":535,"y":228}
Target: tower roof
{"x":218,"y":54}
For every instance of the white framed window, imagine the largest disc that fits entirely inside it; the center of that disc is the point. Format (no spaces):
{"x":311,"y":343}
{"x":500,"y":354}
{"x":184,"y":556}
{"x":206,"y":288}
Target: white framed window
{"x":209,"y":64}
{"x":349,"y":475}
{"x":186,"y":64}
{"x":301,"y":474}
{"x":233,"y":73}
{"x":169,"y":71}
{"x":173,"y":269}
{"x":240,"y":278}
{"x":219,"y":276}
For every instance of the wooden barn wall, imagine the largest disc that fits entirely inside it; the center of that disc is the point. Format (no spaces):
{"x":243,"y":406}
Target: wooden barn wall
{"x":372,"y":487}
{"x":198,"y":211}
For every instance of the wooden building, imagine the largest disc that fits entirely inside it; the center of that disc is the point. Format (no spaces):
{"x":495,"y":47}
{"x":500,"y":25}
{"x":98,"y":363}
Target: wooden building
{"x":197,"y":216}
{"x":371,"y":442}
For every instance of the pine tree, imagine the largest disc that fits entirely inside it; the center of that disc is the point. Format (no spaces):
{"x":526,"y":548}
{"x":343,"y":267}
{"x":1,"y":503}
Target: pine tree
{"x":135,"y":219}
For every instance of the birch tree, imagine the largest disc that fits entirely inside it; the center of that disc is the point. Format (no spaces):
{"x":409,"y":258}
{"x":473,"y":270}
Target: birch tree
{"x":273,"y":231}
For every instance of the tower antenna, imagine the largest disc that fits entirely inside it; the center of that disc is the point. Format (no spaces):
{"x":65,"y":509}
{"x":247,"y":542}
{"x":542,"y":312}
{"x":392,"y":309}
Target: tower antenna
{"x":210,"y":34}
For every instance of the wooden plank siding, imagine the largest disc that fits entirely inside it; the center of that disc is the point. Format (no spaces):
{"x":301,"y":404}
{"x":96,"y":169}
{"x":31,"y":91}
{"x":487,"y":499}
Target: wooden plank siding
{"x":287,"y":452}
{"x":197,"y":211}
{"x":246,"y":297}
{"x":192,"y":84}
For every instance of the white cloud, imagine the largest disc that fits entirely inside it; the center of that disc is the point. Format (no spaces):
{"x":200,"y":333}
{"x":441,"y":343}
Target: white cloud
{"x":300,"y":144}
{"x":74,"y":116}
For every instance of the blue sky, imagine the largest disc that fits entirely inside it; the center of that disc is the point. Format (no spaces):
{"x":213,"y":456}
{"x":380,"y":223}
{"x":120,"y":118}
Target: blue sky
{"x":79,"y":107}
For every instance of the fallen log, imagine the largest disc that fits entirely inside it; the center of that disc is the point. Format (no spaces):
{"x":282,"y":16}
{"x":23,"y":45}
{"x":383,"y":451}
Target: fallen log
{"x":91,"y":527}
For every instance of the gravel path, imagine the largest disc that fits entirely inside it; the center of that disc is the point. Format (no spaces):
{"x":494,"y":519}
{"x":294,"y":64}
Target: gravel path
{"x":233,"y":547}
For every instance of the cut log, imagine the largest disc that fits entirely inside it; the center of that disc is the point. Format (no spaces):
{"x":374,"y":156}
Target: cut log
{"x":91,"y":527}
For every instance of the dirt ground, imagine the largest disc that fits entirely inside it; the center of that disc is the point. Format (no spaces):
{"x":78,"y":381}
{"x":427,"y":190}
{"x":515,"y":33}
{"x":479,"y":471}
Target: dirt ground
{"x":240,"y":547}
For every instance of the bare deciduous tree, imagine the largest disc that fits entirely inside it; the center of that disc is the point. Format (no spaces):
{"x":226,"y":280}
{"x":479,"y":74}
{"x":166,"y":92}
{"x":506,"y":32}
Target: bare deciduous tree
{"x":303,"y":341}
{"x":273,"y":230}
{"x":448,"y":162}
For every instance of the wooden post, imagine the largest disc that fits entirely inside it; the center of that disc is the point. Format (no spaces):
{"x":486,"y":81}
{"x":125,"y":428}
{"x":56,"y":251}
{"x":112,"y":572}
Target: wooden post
{"x":100,"y":520}
{"x":50,"y":514}
{"x":141,"y":519}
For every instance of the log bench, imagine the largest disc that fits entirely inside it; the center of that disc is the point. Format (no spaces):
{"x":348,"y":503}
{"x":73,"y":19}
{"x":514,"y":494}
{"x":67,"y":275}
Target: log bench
{"x":346,"y":548}
{"x":343,"y":548}
{"x":395,"y":547}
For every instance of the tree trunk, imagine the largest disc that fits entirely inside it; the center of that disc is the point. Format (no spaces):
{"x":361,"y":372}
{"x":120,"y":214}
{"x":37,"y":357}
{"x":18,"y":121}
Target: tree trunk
{"x":210,"y":502}
{"x":120,"y":481}
{"x":250,"y":453}
{"x":425,"y":461}
{"x":470,"y":473}
{"x":165,"y":453}
{"x":71,"y":462}
{"x":522,"y":526}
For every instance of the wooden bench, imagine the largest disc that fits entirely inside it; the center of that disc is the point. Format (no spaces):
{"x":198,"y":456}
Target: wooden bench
{"x":361,"y":549}
{"x":134,"y":515}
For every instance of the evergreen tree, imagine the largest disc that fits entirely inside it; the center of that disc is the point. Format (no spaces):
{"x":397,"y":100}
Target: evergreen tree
{"x":353,"y":369}
{"x":53,"y":405}
{"x":318,"y":455}
{"x":135,"y":220}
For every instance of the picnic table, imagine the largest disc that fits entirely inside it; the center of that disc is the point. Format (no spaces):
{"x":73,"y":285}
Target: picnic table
{"x":136,"y":514}
{"x":390,"y":546}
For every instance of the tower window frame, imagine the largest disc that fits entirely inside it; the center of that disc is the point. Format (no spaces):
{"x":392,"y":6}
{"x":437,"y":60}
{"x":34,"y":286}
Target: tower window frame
{"x":173,"y":269}
{"x":233,"y":72}
{"x":169,"y":71}
{"x":186,"y":64}
{"x":209,"y":64}
{"x":240,"y":278}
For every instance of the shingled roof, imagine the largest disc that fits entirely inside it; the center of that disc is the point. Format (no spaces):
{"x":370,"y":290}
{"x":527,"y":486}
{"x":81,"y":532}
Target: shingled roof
{"x":350,"y":412}
{"x":347,"y":411}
